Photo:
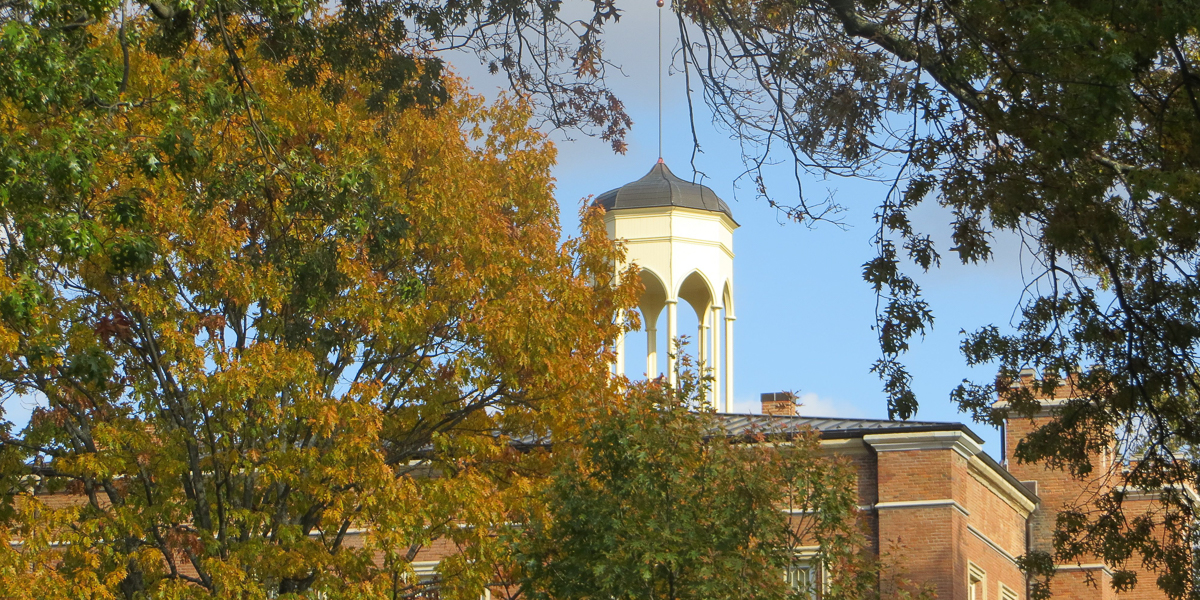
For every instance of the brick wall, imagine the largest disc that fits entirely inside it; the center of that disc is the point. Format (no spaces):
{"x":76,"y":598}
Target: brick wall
{"x":950,"y":514}
{"x":1087,"y":578}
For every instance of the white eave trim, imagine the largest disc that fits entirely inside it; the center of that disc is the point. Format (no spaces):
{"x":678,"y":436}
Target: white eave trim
{"x":1004,"y":489}
{"x":1135,"y":493}
{"x":958,"y":441}
{"x":1090,"y":567}
{"x":993,"y":545}
{"x":941,"y":503}
{"x":844,"y":447}
{"x":1048,"y":407}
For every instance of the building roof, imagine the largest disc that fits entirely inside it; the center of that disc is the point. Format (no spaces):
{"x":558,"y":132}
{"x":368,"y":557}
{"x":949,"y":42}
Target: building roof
{"x":831,"y":427}
{"x":734,"y":425}
{"x":660,"y":187}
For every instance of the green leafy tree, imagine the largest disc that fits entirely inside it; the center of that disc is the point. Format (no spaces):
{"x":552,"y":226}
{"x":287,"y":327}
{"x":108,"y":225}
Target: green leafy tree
{"x":655,"y":501}
{"x":1072,"y":125}
{"x":261,"y":322}
{"x":50,"y":59}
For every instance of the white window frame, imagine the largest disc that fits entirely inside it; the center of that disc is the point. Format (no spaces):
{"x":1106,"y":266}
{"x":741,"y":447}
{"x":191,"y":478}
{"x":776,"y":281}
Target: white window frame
{"x":976,"y":580}
{"x":802,"y":562}
{"x":1007,"y":593}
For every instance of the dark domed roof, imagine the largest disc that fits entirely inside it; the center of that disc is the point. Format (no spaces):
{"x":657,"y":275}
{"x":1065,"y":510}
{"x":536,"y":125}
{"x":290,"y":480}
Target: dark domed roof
{"x":660,"y":187}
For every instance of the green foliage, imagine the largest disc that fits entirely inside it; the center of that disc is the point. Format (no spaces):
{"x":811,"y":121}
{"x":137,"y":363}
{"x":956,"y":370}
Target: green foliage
{"x":260,"y":323}
{"x":657,"y":502}
{"x":1072,"y":125}
{"x":1039,"y":567}
{"x":52,"y":60}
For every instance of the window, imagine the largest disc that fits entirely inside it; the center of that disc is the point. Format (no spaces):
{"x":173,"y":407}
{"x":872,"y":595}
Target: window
{"x":425,"y":581}
{"x":1007,"y":593}
{"x":801,"y":578}
{"x":976,"y":582}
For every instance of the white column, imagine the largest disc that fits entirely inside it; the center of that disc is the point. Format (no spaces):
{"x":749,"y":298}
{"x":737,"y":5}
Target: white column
{"x":672,"y":332}
{"x":702,"y":364}
{"x":729,"y":363}
{"x":715,"y":361}
{"x":651,"y":350}
{"x":619,"y":363}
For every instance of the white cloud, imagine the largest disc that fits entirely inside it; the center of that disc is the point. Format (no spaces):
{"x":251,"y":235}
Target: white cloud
{"x":815,"y":405}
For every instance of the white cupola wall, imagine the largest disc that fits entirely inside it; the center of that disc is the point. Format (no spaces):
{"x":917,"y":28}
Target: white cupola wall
{"x":680,"y":236}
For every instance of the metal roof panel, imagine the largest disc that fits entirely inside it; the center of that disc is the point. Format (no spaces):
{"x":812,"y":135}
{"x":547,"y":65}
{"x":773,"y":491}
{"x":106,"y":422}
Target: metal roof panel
{"x":660,"y":187}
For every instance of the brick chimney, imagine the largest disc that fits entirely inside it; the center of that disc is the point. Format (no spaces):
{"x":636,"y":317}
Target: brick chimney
{"x":1056,"y":489}
{"x":779,"y":403}
{"x":1026,"y":377}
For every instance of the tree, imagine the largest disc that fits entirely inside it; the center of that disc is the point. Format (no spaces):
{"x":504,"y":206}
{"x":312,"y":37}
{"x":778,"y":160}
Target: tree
{"x":655,"y":501}
{"x":260,"y":320}
{"x":395,"y":46}
{"x":1070,"y":124}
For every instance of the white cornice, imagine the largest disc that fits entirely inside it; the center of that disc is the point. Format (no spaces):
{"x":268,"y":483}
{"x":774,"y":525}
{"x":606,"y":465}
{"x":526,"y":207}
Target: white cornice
{"x":1003,"y":488}
{"x":689,"y":240}
{"x":1090,"y":567}
{"x":993,"y":545}
{"x":958,"y":441}
{"x":657,"y":211}
{"x":1049,"y":407}
{"x":940,"y":503}
{"x":844,"y":447}
{"x":1134,"y":494}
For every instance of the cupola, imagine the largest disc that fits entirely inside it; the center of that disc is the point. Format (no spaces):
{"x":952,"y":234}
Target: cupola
{"x":680,"y":236}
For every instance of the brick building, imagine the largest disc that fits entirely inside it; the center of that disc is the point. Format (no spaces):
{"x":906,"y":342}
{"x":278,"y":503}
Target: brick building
{"x":962,"y":517}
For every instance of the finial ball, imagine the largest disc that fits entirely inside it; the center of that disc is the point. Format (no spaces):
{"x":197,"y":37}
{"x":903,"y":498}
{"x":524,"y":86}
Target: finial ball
{"x":659,"y":3}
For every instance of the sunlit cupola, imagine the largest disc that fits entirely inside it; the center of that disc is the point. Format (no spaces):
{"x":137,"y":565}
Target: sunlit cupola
{"x":680,"y":235}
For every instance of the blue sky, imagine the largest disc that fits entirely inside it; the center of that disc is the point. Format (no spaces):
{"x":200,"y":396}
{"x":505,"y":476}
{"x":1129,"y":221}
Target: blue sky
{"x":804,"y":312}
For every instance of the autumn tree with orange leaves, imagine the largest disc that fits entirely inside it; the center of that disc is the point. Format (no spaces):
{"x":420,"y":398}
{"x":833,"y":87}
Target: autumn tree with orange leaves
{"x":296,"y":310}
{"x":262,"y":316}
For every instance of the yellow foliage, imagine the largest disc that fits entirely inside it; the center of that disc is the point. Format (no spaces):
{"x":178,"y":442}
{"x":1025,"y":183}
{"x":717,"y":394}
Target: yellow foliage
{"x":266,"y":321}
